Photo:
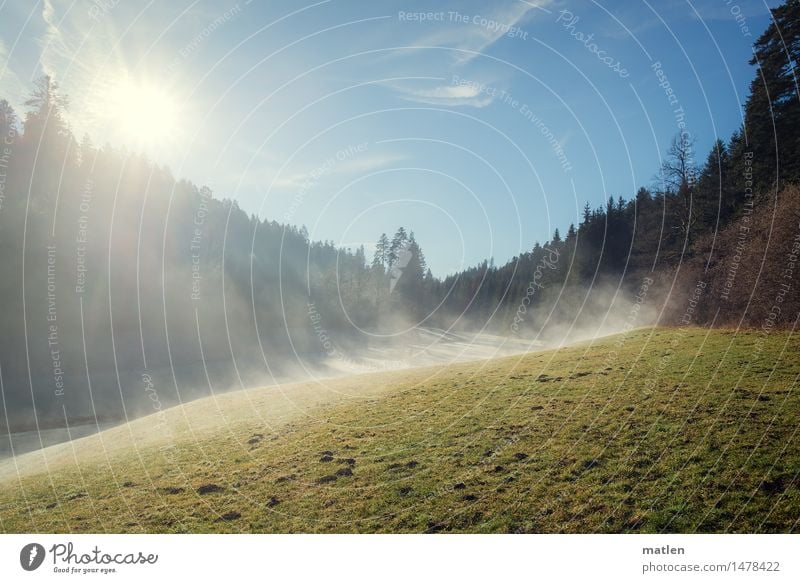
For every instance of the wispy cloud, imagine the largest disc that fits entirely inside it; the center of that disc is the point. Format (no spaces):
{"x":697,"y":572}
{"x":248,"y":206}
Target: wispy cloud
{"x":471,"y":34}
{"x":53,"y":46}
{"x":365,"y":164}
{"x":481,"y":31}
{"x":12,"y":88}
{"x":362,"y":164}
{"x":448,"y":95}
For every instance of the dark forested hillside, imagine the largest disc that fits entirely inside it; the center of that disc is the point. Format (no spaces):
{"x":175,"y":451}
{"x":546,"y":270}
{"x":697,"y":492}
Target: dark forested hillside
{"x":116,"y":274}
{"x":707,"y":243}
{"x":125,"y":288}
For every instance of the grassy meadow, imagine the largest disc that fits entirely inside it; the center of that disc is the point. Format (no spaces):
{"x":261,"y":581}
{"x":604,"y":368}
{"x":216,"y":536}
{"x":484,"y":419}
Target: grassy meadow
{"x":657,"y":430}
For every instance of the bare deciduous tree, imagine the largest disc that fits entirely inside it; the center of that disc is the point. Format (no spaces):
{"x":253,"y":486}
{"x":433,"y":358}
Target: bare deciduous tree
{"x":679,"y":177}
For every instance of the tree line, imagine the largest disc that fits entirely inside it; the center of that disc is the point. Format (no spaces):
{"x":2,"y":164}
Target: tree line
{"x":126,"y":288}
{"x":729,"y":225}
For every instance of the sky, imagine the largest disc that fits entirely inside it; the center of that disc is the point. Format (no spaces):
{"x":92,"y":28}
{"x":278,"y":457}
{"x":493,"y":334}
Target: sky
{"x":481,"y":126}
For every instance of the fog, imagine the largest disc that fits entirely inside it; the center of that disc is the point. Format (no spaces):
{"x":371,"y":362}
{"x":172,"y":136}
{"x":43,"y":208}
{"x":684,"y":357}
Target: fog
{"x":574,"y":318}
{"x":127,"y":291}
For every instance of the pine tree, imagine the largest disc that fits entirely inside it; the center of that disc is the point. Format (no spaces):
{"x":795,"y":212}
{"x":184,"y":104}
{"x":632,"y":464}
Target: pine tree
{"x":86,"y":153}
{"x":360,"y":257}
{"x":47,"y":141}
{"x":643,"y":196}
{"x":417,"y":250}
{"x":8,"y":123}
{"x":587,"y":213}
{"x":381,"y":252}
{"x":714,"y":199}
{"x":772,"y":112}
{"x":398,"y":243}
{"x":47,"y":113}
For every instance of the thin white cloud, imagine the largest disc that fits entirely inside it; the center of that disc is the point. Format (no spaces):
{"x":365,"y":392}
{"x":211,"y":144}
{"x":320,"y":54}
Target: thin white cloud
{"x":448,"y":95}
{"x":359,"y":165}
{"x":11,"y":88}
{"x":481,"y":31}
{"x":54,"y":49}
{"x":473,"y":33}
{"x":367,"y":163}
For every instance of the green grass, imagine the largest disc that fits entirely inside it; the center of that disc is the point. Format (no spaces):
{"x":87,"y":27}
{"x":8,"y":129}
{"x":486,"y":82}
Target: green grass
{"x":658,"y":430}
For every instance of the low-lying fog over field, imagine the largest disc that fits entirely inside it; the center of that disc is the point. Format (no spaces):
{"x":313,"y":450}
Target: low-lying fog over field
{"x":417,"y":348}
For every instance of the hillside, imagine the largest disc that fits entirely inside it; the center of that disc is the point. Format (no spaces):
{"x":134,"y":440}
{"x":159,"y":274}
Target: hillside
{"x":658,"y":430}
{"x":119,"y":273}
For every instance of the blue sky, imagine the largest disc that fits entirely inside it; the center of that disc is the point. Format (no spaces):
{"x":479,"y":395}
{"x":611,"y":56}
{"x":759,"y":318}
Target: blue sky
{"x":482,"y":126}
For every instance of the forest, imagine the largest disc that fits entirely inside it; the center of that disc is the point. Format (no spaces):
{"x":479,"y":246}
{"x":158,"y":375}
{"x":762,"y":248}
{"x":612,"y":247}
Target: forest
{"x":119,"y":277}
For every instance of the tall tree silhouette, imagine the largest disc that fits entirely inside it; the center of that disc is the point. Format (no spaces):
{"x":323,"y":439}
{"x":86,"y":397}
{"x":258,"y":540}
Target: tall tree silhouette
{"x":772,"y":112}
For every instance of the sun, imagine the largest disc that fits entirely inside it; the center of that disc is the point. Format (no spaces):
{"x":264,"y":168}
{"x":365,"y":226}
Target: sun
{"x":142,"y":115}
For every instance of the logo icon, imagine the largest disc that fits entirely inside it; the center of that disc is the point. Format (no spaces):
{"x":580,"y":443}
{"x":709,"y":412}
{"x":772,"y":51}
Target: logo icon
{"x":404,"y":257}
{"x":31,"y":556}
